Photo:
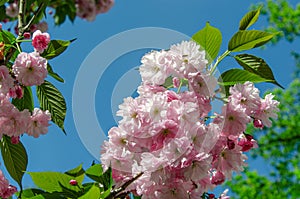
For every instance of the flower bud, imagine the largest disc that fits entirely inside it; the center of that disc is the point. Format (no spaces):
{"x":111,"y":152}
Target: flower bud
{"x":73,"y":182}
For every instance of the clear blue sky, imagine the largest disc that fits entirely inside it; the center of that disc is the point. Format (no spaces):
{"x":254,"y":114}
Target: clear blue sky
{"x":57,"y":152}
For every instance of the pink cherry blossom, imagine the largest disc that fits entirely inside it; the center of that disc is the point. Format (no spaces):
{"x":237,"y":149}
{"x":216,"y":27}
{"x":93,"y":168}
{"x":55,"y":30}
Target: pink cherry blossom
{"x":16,"y":92}
{"x":151,"y":70}
{"x":86,"y":9}
{"x":6,"y":81}
{"x":39,"y":122}
{"x":268,"y":109}
{"x":6,"y":190}
{"x":245,"y":95}
{"x":40,"y":41}
{"x":14,"y":122}
{"x":104,"y":5}
{"x":218,"y":178}
{"x":235,"y":119}
{"x":30,"y":69}
{"x":192,"y":59}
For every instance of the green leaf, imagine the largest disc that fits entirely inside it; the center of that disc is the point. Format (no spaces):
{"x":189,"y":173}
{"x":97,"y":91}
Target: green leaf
{"x":257,"y":66}
{"x":26,"y":102}
{"x":93,"y":192}
{"x":234,"y":76}
{"x":54,"y":74}
{"x":52,"y":181}
{"x":249,"y":19}
{"x":51,"y":99}
{"x":106,"y":179}
{"x":248,"y":39}
{"x":95,"y":172}
{"x":15,"y":159}
{"x":55,"y":48}
{"x":77,"y":173}
{"x":210,"y":39}
{"x":2,"y":2}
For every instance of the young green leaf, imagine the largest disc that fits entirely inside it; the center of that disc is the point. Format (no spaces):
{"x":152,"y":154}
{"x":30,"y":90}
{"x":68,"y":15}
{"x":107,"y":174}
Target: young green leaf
{"x":95,"y":172}
{"x":77,"y":173}
{"x":55,"y":48}
{"x":249,"y":19}
{"x":257,"y":66}
{"x":26,"y":102}
{"x":53,"y":181}
{"x":15,"y":158}
{"x":248,"y":39}
{"x":54,"y":74}
{"x":51,"y":99}
{"x":210,"y":39}
{"x":234,"y":76}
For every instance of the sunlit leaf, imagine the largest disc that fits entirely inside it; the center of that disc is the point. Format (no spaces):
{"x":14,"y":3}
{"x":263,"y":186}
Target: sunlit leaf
{"x":249,"y":19}
{"x":210,"y":39}
{"x":248,"y":39}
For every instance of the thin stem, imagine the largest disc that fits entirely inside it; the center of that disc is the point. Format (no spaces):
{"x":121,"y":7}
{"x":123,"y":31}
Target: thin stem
{"x":227,"y":52}
{"x":34,"y":16}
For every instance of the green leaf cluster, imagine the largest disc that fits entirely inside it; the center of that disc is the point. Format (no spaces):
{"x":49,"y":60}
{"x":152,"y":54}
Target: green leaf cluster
{"x":254,"y":68}
{"x":57,"y":185}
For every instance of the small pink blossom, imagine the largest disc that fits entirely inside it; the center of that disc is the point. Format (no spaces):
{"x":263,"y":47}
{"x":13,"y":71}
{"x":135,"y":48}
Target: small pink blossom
{"x":258,"y":124}
{"x":40,"y":41}
{"x":30,"y":69}
{"x":39,"y":122}
{"x":27,"y":35}
{"x":247,"y":142}
{"x":12,"y":10}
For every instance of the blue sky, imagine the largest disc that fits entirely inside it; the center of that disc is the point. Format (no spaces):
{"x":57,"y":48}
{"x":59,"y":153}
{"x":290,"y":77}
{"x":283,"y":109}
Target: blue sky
{"x":58,"y":152}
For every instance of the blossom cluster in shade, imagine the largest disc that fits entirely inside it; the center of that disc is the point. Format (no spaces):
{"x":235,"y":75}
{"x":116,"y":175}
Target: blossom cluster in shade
{"x":29,"y":69}
{"x":89,"y":9}
{"x":170,"y":134}
{"x":6,"y":190}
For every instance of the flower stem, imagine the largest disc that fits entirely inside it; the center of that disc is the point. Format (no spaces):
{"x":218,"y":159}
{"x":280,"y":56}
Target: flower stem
{"x":226,"y":53}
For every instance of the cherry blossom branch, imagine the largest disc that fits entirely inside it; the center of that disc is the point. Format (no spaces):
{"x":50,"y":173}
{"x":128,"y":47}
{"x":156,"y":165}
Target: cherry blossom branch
{"x":117,"y":193}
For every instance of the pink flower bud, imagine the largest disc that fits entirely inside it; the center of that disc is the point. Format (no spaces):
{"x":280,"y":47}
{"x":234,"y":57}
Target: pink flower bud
{"x":27,"y":35}
{"x":15,"y":139}
{"x":0,"y":26}
{"x":211,"y":195}
{"x":73,"y":182}
{"x":258,"y":123}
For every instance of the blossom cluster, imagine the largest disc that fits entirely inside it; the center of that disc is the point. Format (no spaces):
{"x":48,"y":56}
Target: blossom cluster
{"x":29,"y":69}
{"x":170,"y":134}
{"x":6,"y":190}
{"x":88,"y":9}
